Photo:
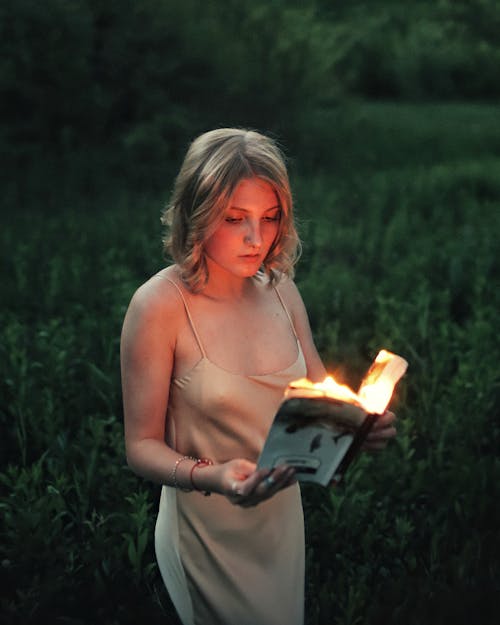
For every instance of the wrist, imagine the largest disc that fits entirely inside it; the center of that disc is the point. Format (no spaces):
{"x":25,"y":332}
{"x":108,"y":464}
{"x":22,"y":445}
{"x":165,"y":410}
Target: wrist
{"x":200,"y":477}
{"x":180,"y":474}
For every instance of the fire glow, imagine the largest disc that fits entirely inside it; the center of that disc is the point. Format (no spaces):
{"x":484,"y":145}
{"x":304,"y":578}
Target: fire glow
{"x":375,"y":391}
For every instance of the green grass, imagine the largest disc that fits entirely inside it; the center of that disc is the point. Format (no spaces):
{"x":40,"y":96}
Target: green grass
{"x":357,"y":137}
{"x":399,"y":212}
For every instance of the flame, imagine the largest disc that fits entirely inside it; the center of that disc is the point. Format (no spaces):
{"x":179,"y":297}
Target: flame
{"x":376,"y":397}
{"x":375,"y":391}
{"x":328,"y":388}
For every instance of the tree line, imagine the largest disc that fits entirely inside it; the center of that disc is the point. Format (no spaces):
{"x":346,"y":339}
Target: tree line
{"x":144,"y":75}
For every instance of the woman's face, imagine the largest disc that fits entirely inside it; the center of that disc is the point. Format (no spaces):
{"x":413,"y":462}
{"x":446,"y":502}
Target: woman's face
{"x":249,"y":227}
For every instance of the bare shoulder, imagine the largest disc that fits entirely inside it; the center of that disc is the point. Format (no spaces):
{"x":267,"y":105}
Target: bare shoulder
{"x":156,"y":303}
{"x":292,"y":297}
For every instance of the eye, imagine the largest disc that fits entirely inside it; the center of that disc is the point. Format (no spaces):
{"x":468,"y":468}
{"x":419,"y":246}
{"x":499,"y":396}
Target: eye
{"x":272,"y":218}
{"x":233,"y":220}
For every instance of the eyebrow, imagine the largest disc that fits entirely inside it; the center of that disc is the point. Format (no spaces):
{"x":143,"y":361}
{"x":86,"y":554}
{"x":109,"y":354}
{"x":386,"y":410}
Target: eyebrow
{"x":245,"y":210}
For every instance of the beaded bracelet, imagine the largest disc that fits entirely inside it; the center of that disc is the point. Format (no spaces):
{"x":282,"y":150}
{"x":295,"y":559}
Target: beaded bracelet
{"x":200,"y":462}
{"x":173,"y":475}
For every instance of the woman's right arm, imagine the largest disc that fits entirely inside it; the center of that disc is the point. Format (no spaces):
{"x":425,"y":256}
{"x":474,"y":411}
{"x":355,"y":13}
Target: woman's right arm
{"x":147,"y":357}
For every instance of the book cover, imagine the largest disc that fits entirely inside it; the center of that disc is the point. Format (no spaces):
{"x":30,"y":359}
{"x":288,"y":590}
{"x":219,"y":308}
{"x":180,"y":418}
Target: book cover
{"x":320,"y":427}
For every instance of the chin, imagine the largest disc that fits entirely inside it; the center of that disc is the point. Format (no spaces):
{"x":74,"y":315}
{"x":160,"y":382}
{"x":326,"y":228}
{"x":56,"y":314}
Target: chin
{"x":248,"y":273}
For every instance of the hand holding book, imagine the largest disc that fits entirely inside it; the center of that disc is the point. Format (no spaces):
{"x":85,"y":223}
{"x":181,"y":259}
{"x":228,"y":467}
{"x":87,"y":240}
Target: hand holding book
{"x":320,"y":427}
{"x":382,"y":431}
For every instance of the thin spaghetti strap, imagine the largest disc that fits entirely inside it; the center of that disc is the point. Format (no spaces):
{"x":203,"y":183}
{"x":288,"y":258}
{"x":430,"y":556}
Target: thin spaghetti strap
{"x":287,"y":313}
{"x":191,"y":322}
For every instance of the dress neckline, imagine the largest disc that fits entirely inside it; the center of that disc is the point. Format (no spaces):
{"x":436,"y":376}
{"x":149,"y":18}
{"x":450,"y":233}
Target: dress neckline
{"x":204,"y":358}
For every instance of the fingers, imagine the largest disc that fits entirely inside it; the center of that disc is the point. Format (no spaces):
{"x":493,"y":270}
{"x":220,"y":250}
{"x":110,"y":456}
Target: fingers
{"x":384,"y":420}
{"x":261,"y":485}
{"x":245,"y":487}
{"x":381,"y":433}
{"x":280,"y":478}
{"x":254,"y":480}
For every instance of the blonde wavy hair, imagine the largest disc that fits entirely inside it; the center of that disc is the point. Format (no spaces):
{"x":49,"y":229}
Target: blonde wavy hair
{"x":215,"y":163}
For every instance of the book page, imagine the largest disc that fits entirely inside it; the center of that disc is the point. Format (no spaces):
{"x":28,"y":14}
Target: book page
{"x":378,"y":384}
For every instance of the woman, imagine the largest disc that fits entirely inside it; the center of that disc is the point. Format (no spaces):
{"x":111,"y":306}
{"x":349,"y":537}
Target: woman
{"x":208,"y":347}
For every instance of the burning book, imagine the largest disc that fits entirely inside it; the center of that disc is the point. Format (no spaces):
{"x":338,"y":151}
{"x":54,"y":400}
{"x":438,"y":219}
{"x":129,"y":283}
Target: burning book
{"x":319,"y":427}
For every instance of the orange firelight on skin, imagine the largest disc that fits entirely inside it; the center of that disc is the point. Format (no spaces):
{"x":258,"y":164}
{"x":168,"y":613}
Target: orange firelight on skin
{"x":375,"y":391}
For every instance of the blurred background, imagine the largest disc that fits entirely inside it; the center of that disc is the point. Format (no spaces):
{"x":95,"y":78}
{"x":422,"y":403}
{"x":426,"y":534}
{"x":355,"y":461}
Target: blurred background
{"x":389,"y":115}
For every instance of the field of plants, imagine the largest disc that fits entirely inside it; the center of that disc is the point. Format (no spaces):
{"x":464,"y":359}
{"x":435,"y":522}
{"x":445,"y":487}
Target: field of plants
{"x":399,"y":211}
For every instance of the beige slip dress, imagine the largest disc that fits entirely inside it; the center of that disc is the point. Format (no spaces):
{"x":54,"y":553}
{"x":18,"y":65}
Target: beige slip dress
{"x":223,"y":564}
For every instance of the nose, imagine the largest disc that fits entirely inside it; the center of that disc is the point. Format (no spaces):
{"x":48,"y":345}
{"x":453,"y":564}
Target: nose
{"x":253,"y":236}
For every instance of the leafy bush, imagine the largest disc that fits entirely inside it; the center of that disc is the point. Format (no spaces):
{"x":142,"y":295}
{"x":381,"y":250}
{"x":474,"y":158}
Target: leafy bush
{"x":419,"y":276}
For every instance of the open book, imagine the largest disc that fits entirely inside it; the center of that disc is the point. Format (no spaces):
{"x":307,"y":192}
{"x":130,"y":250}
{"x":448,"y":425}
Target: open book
{"x":319,"y":427}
